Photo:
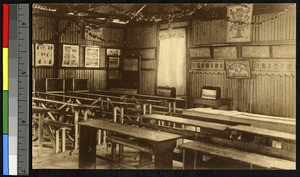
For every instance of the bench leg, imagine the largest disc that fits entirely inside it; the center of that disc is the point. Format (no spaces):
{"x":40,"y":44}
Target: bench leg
{"x":99,"y":137}
{"x":56,"y":141}
{"x":40,"y":131}
{"x":63,"y":139}
{"x":76,"y":129}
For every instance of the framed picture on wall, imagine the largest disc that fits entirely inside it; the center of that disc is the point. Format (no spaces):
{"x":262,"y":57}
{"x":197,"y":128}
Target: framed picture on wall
{"x":113,"y":62}
{"x":238,"y":69}
{"x":113,"y":52}
{"x":131,"y":64}
{"x":44,"y":54}
{"x":91,"y":57}
{"x":70,"y":56}
{"x":239,"y":23}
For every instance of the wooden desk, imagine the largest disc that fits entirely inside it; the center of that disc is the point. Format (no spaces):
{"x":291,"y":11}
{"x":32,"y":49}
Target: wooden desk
{"x":282,"y":124}
{"x":213,"y":103}
{"x":161,"y":143}
{"x":192,"y":151}
{"x":171,"y":101}
{"x":265,"y":132}
{"x":184,"y":121}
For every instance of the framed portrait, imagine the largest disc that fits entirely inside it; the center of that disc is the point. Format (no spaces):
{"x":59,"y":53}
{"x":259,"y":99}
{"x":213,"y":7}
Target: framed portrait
{"x":113,"y":52}
{"x":113,"y":62}
{"x":238,"y":69}
{"x":70,"y":56}
{"x":44,"y":54}
{"x":92,"y":57}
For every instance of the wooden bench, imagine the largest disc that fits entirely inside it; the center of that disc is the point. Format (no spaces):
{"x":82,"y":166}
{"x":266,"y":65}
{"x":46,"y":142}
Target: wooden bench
{"x":193,"y":155}
{"x":44,"y":124}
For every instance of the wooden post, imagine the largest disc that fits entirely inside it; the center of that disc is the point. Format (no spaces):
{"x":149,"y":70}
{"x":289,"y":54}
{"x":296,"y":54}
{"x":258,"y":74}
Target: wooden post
{"x":76,"y":117}
{"x":56,"y":141}
{"x":63,"y":139}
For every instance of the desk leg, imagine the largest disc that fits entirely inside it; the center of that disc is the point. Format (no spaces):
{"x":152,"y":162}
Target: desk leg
{"x":122,"y":115}
{"x":144,"y":109}
{"x":145,"y":157}
{"x":164,"y":155}
{"x":121,"y":152}
{"x":174,"y":106}
{"x":169,"y":107}
{"x":115,"y":114}
{"x":87,"y":148}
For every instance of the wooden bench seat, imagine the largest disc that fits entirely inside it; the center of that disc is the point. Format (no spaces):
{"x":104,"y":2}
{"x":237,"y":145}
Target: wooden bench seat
{"x":201,"y":148}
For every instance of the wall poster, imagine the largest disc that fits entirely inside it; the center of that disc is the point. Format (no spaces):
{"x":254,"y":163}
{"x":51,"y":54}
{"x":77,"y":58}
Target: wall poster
{"x":44,"y":54}
{"x":70,"y":56}
{"x":91,"y":57}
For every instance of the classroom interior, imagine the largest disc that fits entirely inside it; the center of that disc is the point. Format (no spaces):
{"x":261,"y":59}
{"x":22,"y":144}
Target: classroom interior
{"x":164,"y":86}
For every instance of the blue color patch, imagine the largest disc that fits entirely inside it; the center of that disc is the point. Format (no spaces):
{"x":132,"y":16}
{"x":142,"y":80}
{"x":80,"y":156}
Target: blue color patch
{"x":5,"y":155}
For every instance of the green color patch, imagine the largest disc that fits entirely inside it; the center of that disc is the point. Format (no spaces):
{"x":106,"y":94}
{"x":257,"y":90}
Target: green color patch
{"x":5,"y":112}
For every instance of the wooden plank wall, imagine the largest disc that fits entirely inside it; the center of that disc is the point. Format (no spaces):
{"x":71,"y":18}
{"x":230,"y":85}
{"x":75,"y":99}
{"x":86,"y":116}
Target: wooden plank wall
{"x":139,"y":40}
{"x":43,"y":32}
{"x":267,"y":92}
{"x":112,"y":38}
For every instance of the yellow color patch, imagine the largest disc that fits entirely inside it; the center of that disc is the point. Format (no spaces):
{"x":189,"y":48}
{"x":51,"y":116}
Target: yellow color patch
{"x":5,"y":68}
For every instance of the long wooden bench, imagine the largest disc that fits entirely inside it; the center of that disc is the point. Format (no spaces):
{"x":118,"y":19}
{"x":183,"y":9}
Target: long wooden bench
{"x":193,"y":152}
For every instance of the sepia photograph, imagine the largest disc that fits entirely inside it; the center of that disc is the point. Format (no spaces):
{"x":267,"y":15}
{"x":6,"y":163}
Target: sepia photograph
{"x":175,"y":86}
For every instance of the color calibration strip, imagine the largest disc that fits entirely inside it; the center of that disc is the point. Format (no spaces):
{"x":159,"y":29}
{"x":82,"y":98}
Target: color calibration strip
{"x":13,"y":90}
{"x":5,"y":100}
{"x":15,"y":98}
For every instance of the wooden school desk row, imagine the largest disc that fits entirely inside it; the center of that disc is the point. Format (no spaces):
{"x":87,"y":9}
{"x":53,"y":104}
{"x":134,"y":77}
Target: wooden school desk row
{"x":217,"y":131}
